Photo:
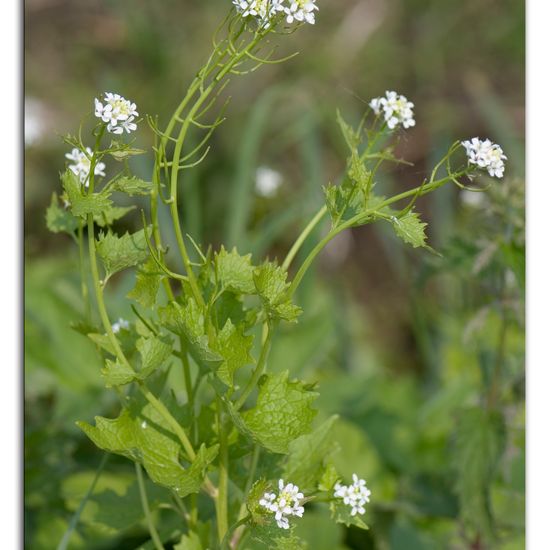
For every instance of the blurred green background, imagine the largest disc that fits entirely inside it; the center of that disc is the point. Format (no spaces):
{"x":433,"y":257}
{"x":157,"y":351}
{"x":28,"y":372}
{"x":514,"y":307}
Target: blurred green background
{"x":421,"y":356}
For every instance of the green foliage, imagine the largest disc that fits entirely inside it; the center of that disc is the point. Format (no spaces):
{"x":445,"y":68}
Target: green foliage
{"x":282,"y":413}
{"x":148,"y":280}
{"x":410,"y":229}
{"x":235,"y":272}
{"x":141,"y":434}
{"x":308,"y":456}
{"x":119,"y":253}
{"x":234,"y":347}
{"x":131,"y":185}
{"x":58,"y":220}
{"x":81,"y":203}
{"x":271,"y":286}
{"x":480,"y":442}
{"x":190,"y":541}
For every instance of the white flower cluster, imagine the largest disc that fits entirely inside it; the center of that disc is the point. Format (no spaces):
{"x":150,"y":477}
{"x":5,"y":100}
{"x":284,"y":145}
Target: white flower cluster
{"x":119,"y":113}
{"x":265,"y":10}
{"x":486,"y":154}
{"x":355,"y":495}
{"x":81,"y":166}
{"x":120,"y":324}
{"x":285,"y":504}
{"x":396,"y":109}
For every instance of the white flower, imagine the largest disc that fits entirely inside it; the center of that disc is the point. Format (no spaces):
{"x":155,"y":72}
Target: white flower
{"x":301,"y":10}
{"x":120,"y":324}
{"x":81,"y":166}
{"x":397,"y":109}
{"x":285,"y":504}
{"x":262,"y":10}
{"x":267,"y":181}
{"x":355,"y":495}
{"x":117,"y":112}
{"x":486,"y":154}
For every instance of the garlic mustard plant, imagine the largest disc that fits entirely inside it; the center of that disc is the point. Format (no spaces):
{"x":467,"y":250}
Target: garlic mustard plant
{"x":198,"y":400}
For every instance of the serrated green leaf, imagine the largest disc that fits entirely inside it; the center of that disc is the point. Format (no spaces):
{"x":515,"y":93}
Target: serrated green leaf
{"x":308,"y":454}
{"x":480,"y":442}
{"x":154,"y":352}
{"x":341,"y":513}
{"x":148,"y":279}
{"x":103,"y":341}
{"x":350,"y":135}
{"x":58,"y":219}
{"x":188,"y":321}
{"x":191,"y":541}
{"x":111,"y":215}
{"x":131,"y":185}
{"x":282,"y":413}
{"x":235,"y":272}
{"x":80,"y":203}
{"x":256,"y":493}
{"x":271,"y":285}
{"x":141,"y":434}
{"x":121,"y":151}
{"x":117,"y":374}
{"x":119,"y":253}
{"x":410,"y":228}
{"x":235,"y":348}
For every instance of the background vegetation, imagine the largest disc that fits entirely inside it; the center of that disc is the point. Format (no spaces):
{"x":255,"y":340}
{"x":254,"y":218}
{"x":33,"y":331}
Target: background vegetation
{"x":421,"y":356}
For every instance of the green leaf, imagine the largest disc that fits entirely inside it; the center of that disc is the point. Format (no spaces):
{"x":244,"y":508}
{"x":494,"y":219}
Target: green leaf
{"x":329,"y":479}
{"x":131,"y":185}
{"x":117,"y":374}
{"x":80,"y":203}
{"x":147,"y":285}
{"x":256,"y":493}
{"x":308,"y":455}
{"x":350,"y":135}
{"x":234,"y":347}
{"x":341,"y":513}
{"x":111,"y":215}
{"x":191,"y":541}
{"x":282,"y":413}
{"x":235,"y":272}
{"x":271,"y":285}
{"x":411,"y":229}
{"x":141,"y":434}
{"x":58,"y":219}
{"x":154,"y":352}
{"x":118,"y":253}
{"x":189,"y":322}
{"x":480,"y":443}
{"x":122,"y":151}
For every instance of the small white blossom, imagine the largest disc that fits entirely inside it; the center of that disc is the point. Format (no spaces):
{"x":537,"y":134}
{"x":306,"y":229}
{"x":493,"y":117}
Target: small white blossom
{"x":117,"y":112}
{"x":301,"y":10}
{"x":268,"y":181}
{"x":81,"y":166}
{"x":285,"y":504}
{"x":120,"y":324}
{"x":262,"y":10}
{"x":486,"y":154}
{"x":397,"y":109}
{"x":355,"y":495}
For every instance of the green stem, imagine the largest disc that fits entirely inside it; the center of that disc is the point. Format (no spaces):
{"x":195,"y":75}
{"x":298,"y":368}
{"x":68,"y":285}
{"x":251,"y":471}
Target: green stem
{"x":248,"y":486}
{"x":362,"y":218}
{"x":303,"y":236}
{"x":225,"y":542}
{"x":258,"y":371}
{"x":221,"y":501}
{"x":76,"y":516}
{"x":83,"y":274}
{"x":145,"y":505}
